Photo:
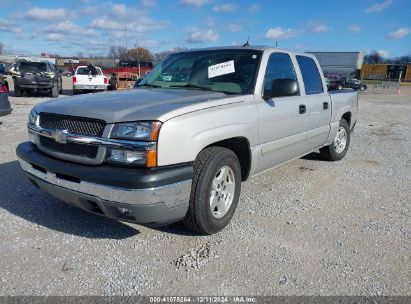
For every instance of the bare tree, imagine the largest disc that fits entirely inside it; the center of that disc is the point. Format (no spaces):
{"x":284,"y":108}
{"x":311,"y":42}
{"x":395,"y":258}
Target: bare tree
{"x":113,"y":53}
{"x":373,"y":57}
{"x":122,"y":53}
{"x":1,"y":48}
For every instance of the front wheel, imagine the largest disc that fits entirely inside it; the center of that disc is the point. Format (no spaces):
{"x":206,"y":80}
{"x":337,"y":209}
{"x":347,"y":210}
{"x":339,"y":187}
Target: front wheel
{"x":18,"y":91}
{"x":54,"y":91}
{"x":215,"y":190}
{"x":339,"y":147}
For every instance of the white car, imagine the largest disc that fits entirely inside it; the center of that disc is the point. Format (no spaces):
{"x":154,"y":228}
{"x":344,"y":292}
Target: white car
{"x":89,"y":79}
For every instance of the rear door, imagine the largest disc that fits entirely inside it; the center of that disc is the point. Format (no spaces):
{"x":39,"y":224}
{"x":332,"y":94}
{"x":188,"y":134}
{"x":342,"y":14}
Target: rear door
{"x":281,"y":122}
{"x":317,"y":101}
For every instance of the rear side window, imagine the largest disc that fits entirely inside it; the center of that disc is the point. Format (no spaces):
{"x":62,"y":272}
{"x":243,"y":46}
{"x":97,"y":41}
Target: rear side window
{"x":86,"y":71}
{"x":279,"y":66}
{"x":311,"y":76}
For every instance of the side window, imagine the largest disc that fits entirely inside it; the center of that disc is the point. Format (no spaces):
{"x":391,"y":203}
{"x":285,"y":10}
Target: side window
{"x":279,"y":67}
{"x":311,"y":76}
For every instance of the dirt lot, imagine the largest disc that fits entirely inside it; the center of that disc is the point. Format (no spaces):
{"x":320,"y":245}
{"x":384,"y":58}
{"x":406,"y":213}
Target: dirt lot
{"x":307,"y":228}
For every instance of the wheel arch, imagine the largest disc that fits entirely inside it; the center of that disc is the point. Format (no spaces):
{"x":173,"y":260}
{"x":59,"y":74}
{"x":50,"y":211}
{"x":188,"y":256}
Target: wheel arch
{"x":241,"y":148}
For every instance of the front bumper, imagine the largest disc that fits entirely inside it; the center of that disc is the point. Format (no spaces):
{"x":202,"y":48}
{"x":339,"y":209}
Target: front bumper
{"x":147,"y":196}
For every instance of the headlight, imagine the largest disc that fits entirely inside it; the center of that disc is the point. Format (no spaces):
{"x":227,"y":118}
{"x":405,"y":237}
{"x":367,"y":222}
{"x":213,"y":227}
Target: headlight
{"x":33,"y":117}
{"x":137,"y":131}
{"x":143,"y":131}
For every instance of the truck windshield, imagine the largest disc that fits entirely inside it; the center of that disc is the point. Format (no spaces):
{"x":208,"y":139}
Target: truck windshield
{"x":227,"y":71}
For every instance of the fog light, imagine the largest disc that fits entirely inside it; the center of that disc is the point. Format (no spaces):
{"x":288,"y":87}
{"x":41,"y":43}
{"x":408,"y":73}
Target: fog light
{"x":126,"y":157}
{"x":124,"y":211}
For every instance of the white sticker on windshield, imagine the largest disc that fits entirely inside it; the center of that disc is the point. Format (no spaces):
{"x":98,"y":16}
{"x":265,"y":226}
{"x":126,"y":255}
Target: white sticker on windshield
{"x":221,"y":69}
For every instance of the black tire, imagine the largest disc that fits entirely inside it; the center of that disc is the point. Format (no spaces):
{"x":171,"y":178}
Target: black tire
{"x":54,"y":91}
{"x":17,"y":91}
{"x":329,"y":152}
{"x":207,"y":165}
{"x":61,"y":87}
{"x":363,"y":87}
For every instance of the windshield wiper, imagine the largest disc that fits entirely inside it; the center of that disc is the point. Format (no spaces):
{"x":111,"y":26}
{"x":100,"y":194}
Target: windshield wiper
{"x":190,"y":85}
{"x":149,"y":85}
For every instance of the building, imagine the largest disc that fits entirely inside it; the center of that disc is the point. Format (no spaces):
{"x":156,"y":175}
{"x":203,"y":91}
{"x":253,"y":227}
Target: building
{"x":386,"y":72}
{"x":341,"y":63}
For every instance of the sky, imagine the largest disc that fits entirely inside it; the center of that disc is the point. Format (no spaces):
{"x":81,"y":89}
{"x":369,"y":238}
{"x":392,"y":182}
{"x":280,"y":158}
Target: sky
{"x":91,"y":27}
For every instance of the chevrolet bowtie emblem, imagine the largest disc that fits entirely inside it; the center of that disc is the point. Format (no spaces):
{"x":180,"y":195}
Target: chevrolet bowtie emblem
{"x":60,"y":136}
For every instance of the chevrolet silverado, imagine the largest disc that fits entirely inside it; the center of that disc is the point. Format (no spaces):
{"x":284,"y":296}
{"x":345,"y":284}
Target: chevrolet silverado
{"x":177,"y":148}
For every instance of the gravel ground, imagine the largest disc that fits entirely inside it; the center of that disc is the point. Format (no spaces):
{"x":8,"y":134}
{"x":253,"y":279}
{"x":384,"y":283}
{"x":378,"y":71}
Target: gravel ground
{"x":307,"y":228}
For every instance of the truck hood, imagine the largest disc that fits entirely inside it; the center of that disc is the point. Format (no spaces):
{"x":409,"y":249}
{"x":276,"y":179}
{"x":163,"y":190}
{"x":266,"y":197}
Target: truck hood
{"x":137,"y":104}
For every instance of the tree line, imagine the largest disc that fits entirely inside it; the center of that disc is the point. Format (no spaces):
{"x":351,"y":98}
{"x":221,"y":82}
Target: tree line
{"x":374,"y":57}
{"x":138,"y":54}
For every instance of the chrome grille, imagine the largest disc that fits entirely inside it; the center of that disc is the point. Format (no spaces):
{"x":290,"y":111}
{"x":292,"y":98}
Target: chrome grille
{"x":69,"y":148}
{"x":77,"y":125}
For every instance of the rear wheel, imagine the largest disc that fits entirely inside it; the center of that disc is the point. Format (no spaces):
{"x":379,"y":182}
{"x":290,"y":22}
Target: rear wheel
{"x":215,"y":190}
{"x":363,"y":88}
{"x":339,"y":147}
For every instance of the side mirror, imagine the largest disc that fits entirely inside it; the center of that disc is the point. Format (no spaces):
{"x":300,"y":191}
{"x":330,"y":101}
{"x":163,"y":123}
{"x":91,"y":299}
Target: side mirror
{"x":282,"y":88}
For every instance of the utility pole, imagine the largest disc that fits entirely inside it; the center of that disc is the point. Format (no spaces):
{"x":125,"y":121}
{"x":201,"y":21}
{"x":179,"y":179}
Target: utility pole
{"x":399,"y":83}
{"x":138,"y":60}
{"x":125,"y":35}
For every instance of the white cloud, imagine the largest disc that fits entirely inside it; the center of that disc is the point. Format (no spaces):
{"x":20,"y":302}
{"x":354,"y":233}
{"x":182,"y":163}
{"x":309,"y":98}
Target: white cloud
{"x":63,"y":27}
{"x":46,"y":14}
{"x":383,"y":53}
{"x":9,"y":26}
{"x":120,"y":15}
{"x":354,"y":28}
{"x":254,"y":8}
{"x":149,"y":3}
{"x":119,"y":9}
{"x":69,"y":28}
{"x":210,"y":22}
{"x":228,"y":7}
{"x":280,"y":33}
{"x":379,"y":6}
{"x":54,"y":37}
{"x":233,"y":28}
{"x":196,"y":3}
{"x":321,"y":28}
{"x":400,"y":33}
{"x":198,"y":36}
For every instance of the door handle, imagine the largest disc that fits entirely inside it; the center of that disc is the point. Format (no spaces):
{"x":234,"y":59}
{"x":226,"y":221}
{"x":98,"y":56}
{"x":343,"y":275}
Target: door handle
{"x":325,"y":105}
{"x":302,"y":109}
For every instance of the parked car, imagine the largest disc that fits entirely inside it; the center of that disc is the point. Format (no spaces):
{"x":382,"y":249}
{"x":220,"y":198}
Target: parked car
{"x":334,"y":84}
{"x":89,"y":79}
{"x":5,"y":107}
{"x":179,"y":146}
{"x":353,"y":83}
{"x":122,"y":81}
{"x":30,"y":76}
{"x":64,"y":72}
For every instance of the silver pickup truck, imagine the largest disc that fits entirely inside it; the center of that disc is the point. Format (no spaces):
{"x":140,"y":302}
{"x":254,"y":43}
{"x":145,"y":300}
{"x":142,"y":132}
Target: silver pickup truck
{"x":179,"y":145}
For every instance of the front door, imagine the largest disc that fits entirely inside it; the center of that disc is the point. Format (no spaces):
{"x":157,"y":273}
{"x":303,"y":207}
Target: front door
{"x":282,"y":120}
